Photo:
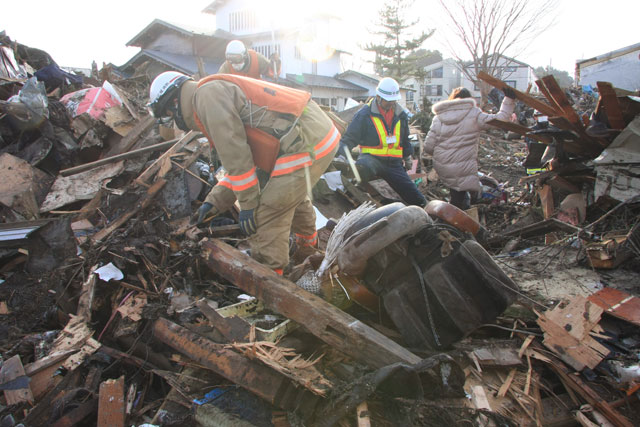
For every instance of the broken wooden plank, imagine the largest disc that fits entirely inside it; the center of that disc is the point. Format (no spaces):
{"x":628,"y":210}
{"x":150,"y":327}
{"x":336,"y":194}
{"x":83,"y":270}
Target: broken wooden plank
{"x":479,"y":398}
{"x":576,"y":352}
{"x":578,"y":317}
{"x":259,"y":379}
{"x":111,"y":403}
{"x":611,"y":106}
{"x":504,"y":388}
{"x":148,"y":197}
{"x":497,"y":356}
{"x":618,"y":303}
{"x":232,"y":328}
{"x":546,"y":200}
{"x":588,"y":394}
{"x":520,"y":130}
{"x":545,"y":109}
{"x":85,"y":302}
{"x":362,"y":415}
{"x":81,"y":186}
{"x":330,"y":324}
{"x":87,"y":166}
{"x":144,"y":177}
{"x":13,"y":371}
{"x":132,"y":136}
{"x":560,"y":99}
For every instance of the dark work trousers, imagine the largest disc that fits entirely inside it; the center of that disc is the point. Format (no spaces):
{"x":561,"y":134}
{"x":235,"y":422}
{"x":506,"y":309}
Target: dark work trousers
{"x":393,"y":172}
{"x":460,"y":199}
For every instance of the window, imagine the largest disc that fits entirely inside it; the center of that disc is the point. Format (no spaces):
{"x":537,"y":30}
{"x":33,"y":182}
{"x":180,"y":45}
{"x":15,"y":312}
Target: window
{"x":433,"y":90}
{"x":435,"y":74}
{"x":410,"y":96}
{"x":511,"y":83}
{"x":243,"y":20}
{"x":510,"y":69}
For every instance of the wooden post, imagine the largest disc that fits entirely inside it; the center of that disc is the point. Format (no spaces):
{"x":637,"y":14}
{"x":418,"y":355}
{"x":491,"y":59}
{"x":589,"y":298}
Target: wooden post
{"x":111,"y":403}
{"x":330,"y":324}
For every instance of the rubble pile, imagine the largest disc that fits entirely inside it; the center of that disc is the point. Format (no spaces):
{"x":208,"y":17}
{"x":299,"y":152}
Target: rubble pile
{"x":118,"y":310}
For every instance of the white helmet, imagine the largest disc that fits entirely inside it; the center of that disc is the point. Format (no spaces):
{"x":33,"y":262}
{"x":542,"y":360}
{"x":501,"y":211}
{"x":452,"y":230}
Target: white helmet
{"x":236,"y":54}
{"x":162,"y":89}
{"x":388,"y":89}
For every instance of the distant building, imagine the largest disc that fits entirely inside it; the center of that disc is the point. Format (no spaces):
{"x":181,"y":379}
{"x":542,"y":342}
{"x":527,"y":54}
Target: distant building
{"x":441,"y":78}
{"x":370,"y":81}
{"x":309,"y":50}
{"x":515,"y":73}
{"x":621,"y":68}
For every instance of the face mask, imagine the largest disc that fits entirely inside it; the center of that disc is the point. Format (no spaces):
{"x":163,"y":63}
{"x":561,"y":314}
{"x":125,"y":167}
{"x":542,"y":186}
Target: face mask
{"x":237,"y":66}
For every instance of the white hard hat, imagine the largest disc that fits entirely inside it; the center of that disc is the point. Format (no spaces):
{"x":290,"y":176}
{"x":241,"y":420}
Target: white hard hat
{"x":161,"y":90}
{"x":388,"y":89}
{"x":236,"y":54}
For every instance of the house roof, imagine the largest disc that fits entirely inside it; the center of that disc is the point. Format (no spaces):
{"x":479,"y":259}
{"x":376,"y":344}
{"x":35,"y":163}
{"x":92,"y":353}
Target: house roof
{"x":373,"y":77}
{"x":213,"y":7}
{"x":314,"y":80}
{"x":157,"y":26}
{"x":610,"y":55}
{"x":184,"y":63}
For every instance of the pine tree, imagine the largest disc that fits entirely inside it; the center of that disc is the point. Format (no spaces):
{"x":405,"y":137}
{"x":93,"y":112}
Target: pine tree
{"x":396,"y":56}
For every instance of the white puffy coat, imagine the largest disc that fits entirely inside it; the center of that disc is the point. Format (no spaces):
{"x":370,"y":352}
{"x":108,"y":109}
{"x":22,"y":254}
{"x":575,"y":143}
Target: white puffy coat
{"x":453,"y":140}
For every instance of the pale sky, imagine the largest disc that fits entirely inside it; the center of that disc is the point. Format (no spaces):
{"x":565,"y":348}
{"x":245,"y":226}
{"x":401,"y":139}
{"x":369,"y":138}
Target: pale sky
{"x":76,"y":32}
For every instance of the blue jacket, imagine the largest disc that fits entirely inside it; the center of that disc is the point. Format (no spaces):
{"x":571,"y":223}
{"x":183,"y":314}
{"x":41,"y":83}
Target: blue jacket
{"x":361,"y":130}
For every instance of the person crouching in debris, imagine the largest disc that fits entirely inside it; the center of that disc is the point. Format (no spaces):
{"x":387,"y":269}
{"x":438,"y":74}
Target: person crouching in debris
{"x":248,"y":62}
{"x":453,"y":141}
{"x":256,"y":127}
{"x":381,"y":129}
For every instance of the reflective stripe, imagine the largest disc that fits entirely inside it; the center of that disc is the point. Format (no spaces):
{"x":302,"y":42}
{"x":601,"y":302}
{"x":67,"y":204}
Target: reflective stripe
{"x":384,"y":150}
{"x":328,"y":142}
{"x":310,"y":240}
{"x":244,"y":181}
{"x":287,"y":164}
{"x":225,"y":183}
{"x":534,"y":171}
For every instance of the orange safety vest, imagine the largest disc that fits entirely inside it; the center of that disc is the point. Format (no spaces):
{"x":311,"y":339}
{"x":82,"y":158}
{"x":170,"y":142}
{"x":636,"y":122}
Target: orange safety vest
{"x":384,"y":149}
{"x":254,"y":66}
{"x":280,"y":99}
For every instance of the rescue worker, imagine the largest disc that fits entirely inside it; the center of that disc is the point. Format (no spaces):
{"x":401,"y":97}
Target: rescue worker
{"x":453,"y":141}
{"x":381,"y":129}
{"x":258,"y":128}
{"x":248,"y":62}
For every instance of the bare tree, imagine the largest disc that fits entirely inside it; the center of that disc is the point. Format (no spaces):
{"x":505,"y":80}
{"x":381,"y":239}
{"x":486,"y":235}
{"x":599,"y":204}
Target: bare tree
{"x":492,"y":29}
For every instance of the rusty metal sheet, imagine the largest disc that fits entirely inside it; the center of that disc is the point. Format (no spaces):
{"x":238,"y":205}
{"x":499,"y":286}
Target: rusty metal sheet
{"x":618,"y":303}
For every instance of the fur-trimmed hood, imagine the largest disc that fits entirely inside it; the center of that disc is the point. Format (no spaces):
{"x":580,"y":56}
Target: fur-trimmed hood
{"x":454,"y":110}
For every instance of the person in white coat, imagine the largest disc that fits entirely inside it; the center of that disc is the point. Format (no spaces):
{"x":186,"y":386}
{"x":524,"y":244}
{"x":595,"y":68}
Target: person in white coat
{"x":453,"y":141}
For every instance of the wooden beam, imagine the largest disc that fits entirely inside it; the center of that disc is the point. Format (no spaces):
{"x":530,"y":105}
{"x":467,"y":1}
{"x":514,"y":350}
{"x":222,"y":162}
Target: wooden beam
{"x":520,"y":130}
{"x":254,"y":376}
{"x":330,"y":324}
{"x":81,"y":168}
{"x":546,"y":200}
{"x":155,"y":166}
{"x":545,"y":109}
{"x":148,"y":197}
{"x":611,"y":105}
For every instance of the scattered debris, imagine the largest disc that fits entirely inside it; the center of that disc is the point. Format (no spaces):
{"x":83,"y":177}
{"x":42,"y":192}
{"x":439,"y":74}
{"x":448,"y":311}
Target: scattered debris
{"x":117,"y":310}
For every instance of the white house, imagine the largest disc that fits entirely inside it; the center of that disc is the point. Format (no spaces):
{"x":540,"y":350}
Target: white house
{"x":370,"y":81}
{"x":515,"y":73}
{"x":621,"y":68}
{"x":441,"y":78}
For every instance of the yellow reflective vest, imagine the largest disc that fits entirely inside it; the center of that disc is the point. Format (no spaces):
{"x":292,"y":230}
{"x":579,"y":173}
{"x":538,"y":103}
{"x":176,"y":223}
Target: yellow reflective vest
{"x":390,"y":145}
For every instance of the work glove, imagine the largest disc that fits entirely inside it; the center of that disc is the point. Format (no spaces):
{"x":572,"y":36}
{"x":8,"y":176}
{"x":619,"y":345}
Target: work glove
{"x":408,"y":163}
{"x":202,"y":211}
{"x":509,"y":93}
{"x":247,"y":221}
